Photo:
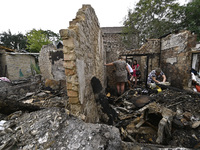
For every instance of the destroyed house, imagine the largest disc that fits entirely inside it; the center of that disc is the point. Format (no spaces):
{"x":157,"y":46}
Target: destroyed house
{"x":86,"y":51}
{"x":15,"y":65}
{"x":176,"y":54}
{"x":51,"y":61}
{"x":89,"y":117}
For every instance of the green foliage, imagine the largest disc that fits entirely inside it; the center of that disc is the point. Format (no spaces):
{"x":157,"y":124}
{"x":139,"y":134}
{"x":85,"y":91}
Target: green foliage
{"x":32,"y":41}
{"x":35,"y":69}
{"x":16,"y":41}
{"x":192,"y":19}
{"x":36,"y":39}
{"x":129,"y":33}
{"x":153,"y":18}
{"x":52,"y":36}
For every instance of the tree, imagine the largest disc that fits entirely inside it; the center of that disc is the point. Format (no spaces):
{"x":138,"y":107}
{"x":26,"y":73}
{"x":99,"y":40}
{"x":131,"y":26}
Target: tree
{"x":192,"y":20}
{"x":36,"y":39}
{"x":51,"y":35}
{"x":153,"y":18}
{"x":16,"y":41}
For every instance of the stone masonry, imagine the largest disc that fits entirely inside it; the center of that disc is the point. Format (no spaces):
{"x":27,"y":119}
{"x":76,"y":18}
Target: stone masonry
{"x":84,"y":58}
{"x":113,"y":45}
{"x":148,"y":54}
{"x":16,"y":65}
{"x":176,"y":55}
{"x":172,"y":53}
{"x":51,"y":63}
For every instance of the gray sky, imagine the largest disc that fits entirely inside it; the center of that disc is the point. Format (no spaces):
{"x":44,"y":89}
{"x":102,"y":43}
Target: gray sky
{"x":24,"y":15}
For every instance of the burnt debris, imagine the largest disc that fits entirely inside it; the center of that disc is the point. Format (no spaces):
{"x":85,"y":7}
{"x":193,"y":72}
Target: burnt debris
{"x":141,"y":117}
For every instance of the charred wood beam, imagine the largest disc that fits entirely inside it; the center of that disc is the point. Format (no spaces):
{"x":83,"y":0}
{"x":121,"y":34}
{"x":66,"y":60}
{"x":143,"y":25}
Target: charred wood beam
{"x":123,"y":110}
{"x":117,"y":99}
{"x":179,"y":90}
{"x":142,"y":121}
{"x":175,"y":103}
{"x":127,"y":116}
{"x":125,"y":134}
{"x":9,"y":106}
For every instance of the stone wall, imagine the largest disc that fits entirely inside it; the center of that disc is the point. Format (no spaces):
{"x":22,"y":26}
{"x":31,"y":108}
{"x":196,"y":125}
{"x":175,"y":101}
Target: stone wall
{"x":51,"y":63}
{"x":148,"y":56}
{"x":176,"y":57}
{"x":172,"y":53}
{"x":16,"y":65}
{"x":113,"y":45}
{"x":83,"y":59}
{"x":3,"y":72}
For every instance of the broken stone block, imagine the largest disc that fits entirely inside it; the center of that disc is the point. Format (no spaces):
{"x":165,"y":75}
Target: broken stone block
{"x":164,"y":126}
{"x":2,"y":125}
{"x":196,"y":124}
{"x":42,"y":94}
{"x":53,"y":84}
{"x":187,"y":116}
{"x":30,"y":94}
{"x":29,"y":101}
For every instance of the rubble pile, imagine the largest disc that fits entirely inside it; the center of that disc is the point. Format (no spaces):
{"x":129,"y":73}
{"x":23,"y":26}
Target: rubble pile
{"x":168,"y":118}
{"x":140,"y":118}
{"x":54,"y":128}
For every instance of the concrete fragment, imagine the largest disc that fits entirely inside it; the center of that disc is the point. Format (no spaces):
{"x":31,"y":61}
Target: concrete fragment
{"x":30,"y":94}
{"x":196,"y":124}
{"x":42,"y":94}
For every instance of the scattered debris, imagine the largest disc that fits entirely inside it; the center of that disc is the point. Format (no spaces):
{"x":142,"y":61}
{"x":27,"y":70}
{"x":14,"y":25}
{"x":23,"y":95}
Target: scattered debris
{"x":4,"y":79}
{"x":142,"y":116}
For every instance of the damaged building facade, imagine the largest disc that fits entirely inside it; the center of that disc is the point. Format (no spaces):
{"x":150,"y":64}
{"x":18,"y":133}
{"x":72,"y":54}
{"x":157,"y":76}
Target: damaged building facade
{"x":51,"y":60}
{"x":87,"y":47}
{"x":84,"y":59}
{"x":15,"y":65}
{"x":174,"y":53}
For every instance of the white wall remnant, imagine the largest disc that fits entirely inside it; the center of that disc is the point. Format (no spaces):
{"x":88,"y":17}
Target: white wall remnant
{"x":171,"y":60}
{"x":175,"y":40}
